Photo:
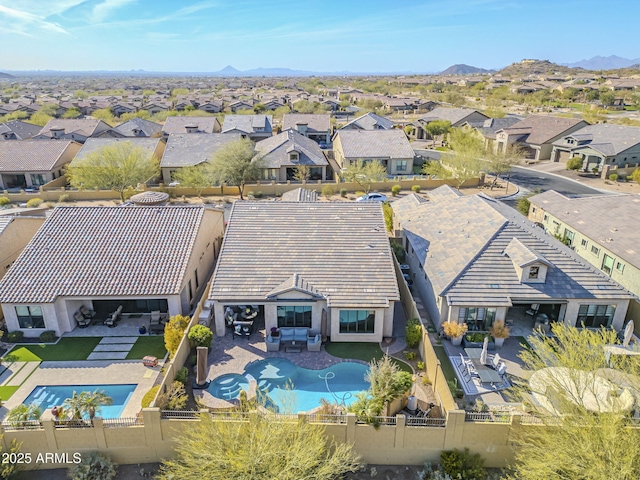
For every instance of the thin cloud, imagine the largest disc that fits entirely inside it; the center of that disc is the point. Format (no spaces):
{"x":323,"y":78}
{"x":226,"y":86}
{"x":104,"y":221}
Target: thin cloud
{"x":24,"y":19}
{"x":104,"y":9}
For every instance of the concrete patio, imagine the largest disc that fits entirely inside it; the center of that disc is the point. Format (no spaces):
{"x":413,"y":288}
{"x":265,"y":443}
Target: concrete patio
{"x":128,"y":326}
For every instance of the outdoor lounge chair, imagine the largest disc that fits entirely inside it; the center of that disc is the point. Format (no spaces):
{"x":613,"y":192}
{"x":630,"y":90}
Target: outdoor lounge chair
{"x":157,"y":318}
{"x":496,"y":361}
{"x":314,"y":343}
{"x":82,"y":321}
{"x":86,"y":313}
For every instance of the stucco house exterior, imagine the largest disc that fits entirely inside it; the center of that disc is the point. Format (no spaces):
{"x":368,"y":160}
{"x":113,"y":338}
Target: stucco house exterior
{"x":389,"y":147}
{"x":282,"y":153}
{"x":455,"y":116}
{"x":255,"y":127}
{"x":369,"y":121}
{"x":144,"y":258}
{"x":476,"y":260}
{"x":32,"y":163}
{"x":326,"y":266}
{"x":317,"y":127}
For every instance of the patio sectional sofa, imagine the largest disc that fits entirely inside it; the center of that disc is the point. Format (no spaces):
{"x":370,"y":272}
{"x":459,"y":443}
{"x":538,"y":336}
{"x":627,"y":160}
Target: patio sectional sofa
{"x":294,"y":334}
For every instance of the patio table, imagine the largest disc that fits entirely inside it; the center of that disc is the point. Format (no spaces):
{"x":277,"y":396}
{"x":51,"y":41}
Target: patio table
{"x":485,"y":372}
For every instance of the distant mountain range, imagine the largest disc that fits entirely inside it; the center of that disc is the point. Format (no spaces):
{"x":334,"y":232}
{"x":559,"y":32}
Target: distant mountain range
{"x":462,"y":69}
{"x":611,"y":62}
{"x":5,"y":75}
{"x":536,"y":67}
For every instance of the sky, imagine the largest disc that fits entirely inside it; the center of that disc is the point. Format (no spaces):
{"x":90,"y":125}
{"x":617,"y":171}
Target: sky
{"x":320,"y":36}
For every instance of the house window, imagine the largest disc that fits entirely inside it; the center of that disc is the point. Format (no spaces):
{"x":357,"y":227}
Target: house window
{"x":30,"y":317}
{"x":556,"y":226}
{"x":534,"y":209}
{"x":294,"y":316}
{"x":607,"y":264}
{"x":477,"y":318}
{"x":534,"y":272}
{"x":584,"y":243}
{"x":190,"y":291}
{"x":401,"y":165}
{"x":270,"y":173}
{"x":38,"y":179}
{"x":620,"y":267}
{"x":546,"y":218}
{"x":293,"y":156}
{"x":196,"y":277}
{"x":595,"y":250}
{"x":357,"y":321}
{"x":568,"y":237}
{"x":595,"y":315}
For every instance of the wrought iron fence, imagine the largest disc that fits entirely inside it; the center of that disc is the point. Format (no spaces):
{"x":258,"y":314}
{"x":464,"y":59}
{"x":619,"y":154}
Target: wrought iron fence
{"x":493,"y":417}
{"x":122,"y":422}
{"x":23,"y":425}
{"x":425,"y":422}
{"x":180,"y":414}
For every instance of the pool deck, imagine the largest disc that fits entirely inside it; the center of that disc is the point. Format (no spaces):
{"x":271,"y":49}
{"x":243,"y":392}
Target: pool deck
{"x":89,"y":372}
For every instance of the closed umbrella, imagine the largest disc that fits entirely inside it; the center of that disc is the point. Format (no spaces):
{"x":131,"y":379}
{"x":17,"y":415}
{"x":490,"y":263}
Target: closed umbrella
{"x":201,"y":368}
{"x":628,"y":333}
{"x":485,"y":351}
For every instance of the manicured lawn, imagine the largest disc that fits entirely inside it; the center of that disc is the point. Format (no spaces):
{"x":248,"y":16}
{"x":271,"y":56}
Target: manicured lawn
{"x":447,"y":368}
{"x":6,"y":392}
{"x":361,"y":351}
{"x":152,"y":345}
{"x":70,"y":348}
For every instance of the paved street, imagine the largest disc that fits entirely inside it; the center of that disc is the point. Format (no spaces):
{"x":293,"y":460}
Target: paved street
{"x":533,"y":179}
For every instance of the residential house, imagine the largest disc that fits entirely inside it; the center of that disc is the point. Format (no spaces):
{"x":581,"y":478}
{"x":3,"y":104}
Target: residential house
{"x":536,"y":135}
{"x":32,"y":163}
{"x":456,"y":116}
{"x":317,"y":127}
{"x":602,"y":229}
{"x":18,"y":130}
{"x":143,"y":258}
{"x":476,"y":260}
{"x":139,"y":127}
{"x":255,"y":127}
{"x":156,"y":107}
{"x":489,"y":127}
{"x":369,"y":121}
{"x":300,"y":195}
{"x":188,"y":150}
{"x":599,"y":145}
{"x":301,"y":278}
{"x":283,"y":153}
{"x":211,"y":106}
{"x":190,"y":125}
{"x":76,"y":129}
{"x":238,"y":105}
{"x":121,"y":108}
{"x":389,"y":147}
{"x":151,"y":146}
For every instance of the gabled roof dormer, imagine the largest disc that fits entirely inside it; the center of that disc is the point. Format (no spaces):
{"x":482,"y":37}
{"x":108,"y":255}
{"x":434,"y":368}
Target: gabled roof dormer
{"x":295,"y":288}
{"x":530,"y":266}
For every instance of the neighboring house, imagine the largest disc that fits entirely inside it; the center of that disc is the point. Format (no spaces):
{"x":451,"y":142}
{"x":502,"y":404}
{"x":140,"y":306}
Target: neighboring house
{"x":300,"y":195}
{"x":156,"y":107}
{"x":456,"y":116}
{"x":600,"y":145}
{"x":77,"y":129}
{"x":18,"y":130}
{"x":138,"y":127}
{"x":489,"y":127}
{"x":536,"y":135}
{"x":144,"y":258}
{"x":315,"y":127}
{"x":476,"y":260}
{"x":121,"y":108}
{"x":602,"y":229}
{"x":190,"y":125}
{"x":256,"y":127}
{"x":152,"y":146}
{"x":389,"y":147}
{"x":329,"y":268}
{"x":282,"y":153}
{"x":188,"y":150}
{"x":32,"y":163}
{"x":211,"y":106}
{"x":369,"y":121}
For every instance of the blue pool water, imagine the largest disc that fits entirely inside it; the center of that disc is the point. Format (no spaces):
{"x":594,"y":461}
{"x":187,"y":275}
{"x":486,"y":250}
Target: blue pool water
{"x":291,"y":388}
{"x":49,"y":396}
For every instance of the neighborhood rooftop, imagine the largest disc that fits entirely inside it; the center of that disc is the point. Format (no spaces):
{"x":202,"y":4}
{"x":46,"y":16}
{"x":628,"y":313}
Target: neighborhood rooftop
{"x":187,"y":149}
{"x":375,"y":144}
{"x":149,"y":145}
{"x":31,"y":155}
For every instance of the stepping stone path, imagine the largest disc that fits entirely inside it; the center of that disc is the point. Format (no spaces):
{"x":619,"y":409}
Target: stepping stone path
{"x":112,"y":348}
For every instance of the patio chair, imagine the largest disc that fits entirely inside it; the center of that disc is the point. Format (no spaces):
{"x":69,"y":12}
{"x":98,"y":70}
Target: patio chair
{"x":155,"y":317}
{"x":502,"y":369}
{"x":112,"y":320}
{"x":496,"y":361}
{"x":314,"y":343}
{"x":86,"y":313}
{"x":81,"y":320}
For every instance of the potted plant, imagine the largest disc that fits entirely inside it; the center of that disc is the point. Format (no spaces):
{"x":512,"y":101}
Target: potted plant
{"x":275,"y":332}
{"x":499,"y":331}
{"x":454,"y":331}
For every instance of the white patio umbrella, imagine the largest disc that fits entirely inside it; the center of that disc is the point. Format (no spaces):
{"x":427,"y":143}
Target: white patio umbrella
{"x":628,"y":333}
{"x":485,"y":351}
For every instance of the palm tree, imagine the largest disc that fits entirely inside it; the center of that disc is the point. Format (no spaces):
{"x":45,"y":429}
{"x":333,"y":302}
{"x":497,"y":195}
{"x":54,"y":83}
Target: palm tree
{"x":73,"y":405}
{"x":92,"y":401}
{"x":23,"y":413}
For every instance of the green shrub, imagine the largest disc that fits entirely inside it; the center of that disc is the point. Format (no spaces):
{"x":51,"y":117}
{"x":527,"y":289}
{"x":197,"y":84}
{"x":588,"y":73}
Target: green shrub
{"x":48,"y":337}
{"x":4,"y":201}
{"x":415,"y":188}
{"x":34,"y":202}
{"x":63,"y":198}
{"x":94,"y":466}
{"x":149,"y":396}
{"x":421,"y":365}
{"x":635,"y":176}
{"x":173,"y":332}
{"x":409,"y":355}
{"x":258,"y":194}
{"x":182,"y":375}
{"x":200,"y":336}
{"x":328,"y":190}
{"x":413,"y":333}
{"x":15,"y":337}
{"x":343,"y":192}
{"x":523,"y":206}
{"x":174,"y":399}
{"x":395,"y":190}
{"x":574,"y":163}
{"x":613,"y":177}
{"x":462,"y":464}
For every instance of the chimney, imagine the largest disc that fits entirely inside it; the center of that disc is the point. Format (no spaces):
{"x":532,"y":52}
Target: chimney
{"x":301,"y":128}
{"x":191,"y":128}
{"x":57,"y":132}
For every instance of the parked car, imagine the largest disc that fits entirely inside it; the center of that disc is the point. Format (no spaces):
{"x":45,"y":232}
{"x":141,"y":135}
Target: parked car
{"x":407,"y":279}
{"x":405,"y":268}
{"x":323,"y":145}
{"x":372,"y":197}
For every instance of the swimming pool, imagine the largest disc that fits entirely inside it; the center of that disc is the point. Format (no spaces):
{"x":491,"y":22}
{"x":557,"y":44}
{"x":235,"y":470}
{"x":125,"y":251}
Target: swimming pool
{"x":291,"y":388}
{"x":49,"y":396}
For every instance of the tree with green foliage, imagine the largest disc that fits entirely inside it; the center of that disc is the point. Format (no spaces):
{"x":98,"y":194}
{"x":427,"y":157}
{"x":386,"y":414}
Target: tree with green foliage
{"x":635,"y":176}
{"x":174,"y":331}
{"x":302,"y":173}
{"x":81,"y":94}
{"x":501,"y":163}
{"x":9,"y":469}
{"x":388,"y":216}
{"x":578,"y":441}
{"x":437,"y":128}
{"x":575,"y":163}
{"x":197,"y":177}
{"x":23,"y":413}
{"x":72,"y":113}
{"x":364,"y":173}
{"x":464,"y":162}
{"x":93,"y":466}
{"x":200,"y":336}
{"x":258,"y":448}
{"x":435,"y":169}
{"x":387,"y":381}
{"x":523,"y":206}
{"x":106,"y":115}
{"x":607,"y":97}
{"x":236,"y":163}
{"x":91,"y":402}
{"x":115,"y":167}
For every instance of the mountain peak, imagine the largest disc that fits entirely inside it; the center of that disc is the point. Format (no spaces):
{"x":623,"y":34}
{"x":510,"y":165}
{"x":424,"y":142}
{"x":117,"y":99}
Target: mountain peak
{"x":462,"y":69}
{"x":229,"y":69}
